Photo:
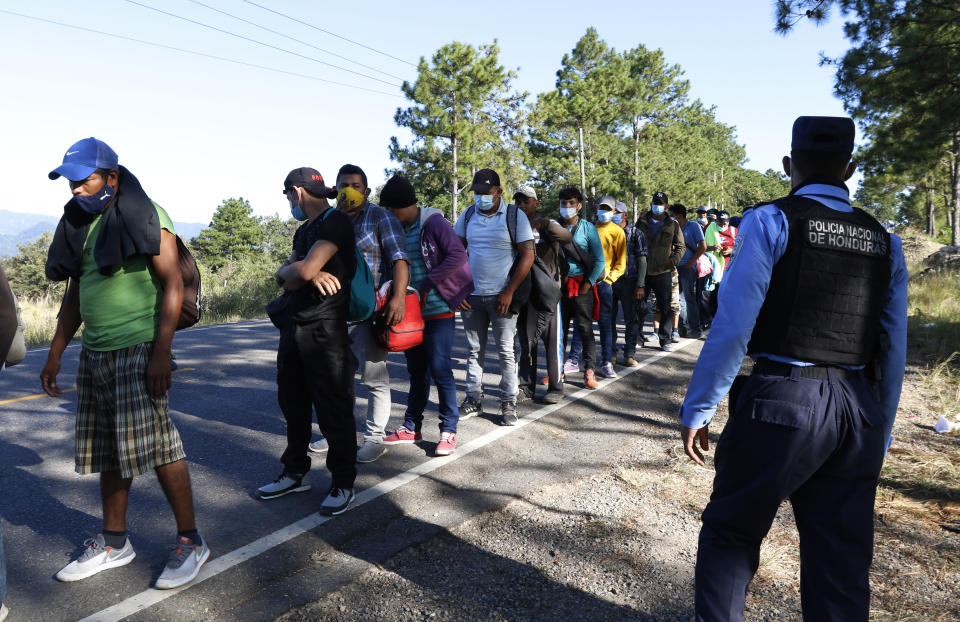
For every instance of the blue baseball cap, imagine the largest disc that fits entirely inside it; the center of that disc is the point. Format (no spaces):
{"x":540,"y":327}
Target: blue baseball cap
{"x":83,"y":158}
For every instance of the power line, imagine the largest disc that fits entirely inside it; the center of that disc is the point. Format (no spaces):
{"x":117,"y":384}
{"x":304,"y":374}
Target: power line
{"x":332,"y":34}
{"x":273,"y":47}
{"x":196,"y":53}
{"x":286,"y":36}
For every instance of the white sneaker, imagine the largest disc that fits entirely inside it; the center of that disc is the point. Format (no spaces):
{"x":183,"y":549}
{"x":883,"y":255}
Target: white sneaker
{"x":96,"y":558}
{"x":370,"y":451}
{"x":320,"y":446}
{"x":337,"y":501}
{"x":3,"y":612}
{"x":284,"y":485}
{"x":186,"y":559}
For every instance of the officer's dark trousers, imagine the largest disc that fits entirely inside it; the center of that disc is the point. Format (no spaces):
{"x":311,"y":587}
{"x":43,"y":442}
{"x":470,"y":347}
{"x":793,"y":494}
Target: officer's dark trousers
{"x":820,"y":444}
{"x":532,"y":326}
{"x":662,"y":287}
{"x":315,"y":369}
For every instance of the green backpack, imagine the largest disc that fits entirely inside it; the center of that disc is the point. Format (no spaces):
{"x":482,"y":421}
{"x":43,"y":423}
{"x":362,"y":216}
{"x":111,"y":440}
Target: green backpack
{"x":363,"y":292}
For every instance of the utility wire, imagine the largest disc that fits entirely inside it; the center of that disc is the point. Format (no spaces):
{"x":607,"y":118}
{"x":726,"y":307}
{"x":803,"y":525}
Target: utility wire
{"x":273,"y":47}
{"x":286,"y":36}
{"x":333,"y":34}
{"x":194,"y":52}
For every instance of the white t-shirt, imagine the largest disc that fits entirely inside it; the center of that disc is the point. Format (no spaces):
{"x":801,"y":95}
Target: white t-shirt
{"x":489,"y":249}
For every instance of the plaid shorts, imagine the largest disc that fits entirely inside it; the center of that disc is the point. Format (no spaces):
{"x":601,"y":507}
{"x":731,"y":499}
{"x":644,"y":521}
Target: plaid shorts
{"x":119,"y":426}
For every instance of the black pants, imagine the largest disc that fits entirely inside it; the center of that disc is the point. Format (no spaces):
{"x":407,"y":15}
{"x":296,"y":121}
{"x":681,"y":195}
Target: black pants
{"x":532,"y":326}
{"x":315,"y":369}
{"x":580,"y":310}
{"x":662,"y":287}
{"x":624,"y":297}
{"x":819,"y":443}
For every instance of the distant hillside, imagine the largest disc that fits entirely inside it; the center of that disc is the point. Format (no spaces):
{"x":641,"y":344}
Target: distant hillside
{"x":17,"y":228}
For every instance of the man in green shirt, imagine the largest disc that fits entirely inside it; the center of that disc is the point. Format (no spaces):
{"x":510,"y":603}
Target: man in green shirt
{"x":119,"y":251}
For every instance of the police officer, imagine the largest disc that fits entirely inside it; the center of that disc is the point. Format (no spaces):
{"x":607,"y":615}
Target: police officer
{"x":817,"y":296}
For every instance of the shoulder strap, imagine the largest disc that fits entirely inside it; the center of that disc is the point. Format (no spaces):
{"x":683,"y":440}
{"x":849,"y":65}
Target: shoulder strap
{"x":467,"y":215}
{"x":512,"y":223}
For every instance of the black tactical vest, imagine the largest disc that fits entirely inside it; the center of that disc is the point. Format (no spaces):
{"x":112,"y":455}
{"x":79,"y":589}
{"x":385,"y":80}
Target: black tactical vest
{"x":828,"y":290}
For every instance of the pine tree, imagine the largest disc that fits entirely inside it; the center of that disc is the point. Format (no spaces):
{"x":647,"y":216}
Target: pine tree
{"x":234,"y":233}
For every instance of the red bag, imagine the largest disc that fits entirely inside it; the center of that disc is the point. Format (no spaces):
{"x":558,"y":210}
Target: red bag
{"x":405,"y":335}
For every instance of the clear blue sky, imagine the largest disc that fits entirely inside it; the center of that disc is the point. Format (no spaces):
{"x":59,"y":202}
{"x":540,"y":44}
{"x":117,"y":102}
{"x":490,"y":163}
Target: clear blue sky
{"x":197,"y":130}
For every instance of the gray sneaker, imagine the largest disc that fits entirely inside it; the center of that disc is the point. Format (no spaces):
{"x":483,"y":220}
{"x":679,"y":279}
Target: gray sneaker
{"x":186,"y":559}
{"x":319,"y":446}
{"x":3,"y":612}
{"x":508,"y":412}
{"x":470,"y":407}
{"x":608,"y":370}
{"x":97,"y":557}
{"x":337,"y":501}
{"x":370,"y":451}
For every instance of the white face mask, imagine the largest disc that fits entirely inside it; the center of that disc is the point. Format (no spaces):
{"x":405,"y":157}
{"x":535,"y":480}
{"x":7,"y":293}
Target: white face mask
{"x":568,"y":213}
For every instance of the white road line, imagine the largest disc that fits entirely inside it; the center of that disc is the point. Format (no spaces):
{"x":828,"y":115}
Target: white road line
{"x":222,"y":563}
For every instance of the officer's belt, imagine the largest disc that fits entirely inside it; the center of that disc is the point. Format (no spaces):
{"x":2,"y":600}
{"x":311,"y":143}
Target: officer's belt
{"x":818,"y":372}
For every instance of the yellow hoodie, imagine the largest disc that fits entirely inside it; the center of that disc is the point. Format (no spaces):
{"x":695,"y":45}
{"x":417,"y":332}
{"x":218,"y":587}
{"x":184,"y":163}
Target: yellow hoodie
{"x":614,"y":243}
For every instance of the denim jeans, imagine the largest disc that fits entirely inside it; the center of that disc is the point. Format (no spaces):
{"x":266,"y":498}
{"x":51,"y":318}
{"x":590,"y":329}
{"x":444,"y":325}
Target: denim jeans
{"x":476,"y":323}
{"x":431,"y":359}
{"x":624,"y":295}
{"x":690,"y":315}
{"x":605,"y":293}
{"x":375,"y":377}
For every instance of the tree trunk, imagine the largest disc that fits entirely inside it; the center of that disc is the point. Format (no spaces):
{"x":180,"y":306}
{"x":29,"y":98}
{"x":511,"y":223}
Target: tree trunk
{"x":456,"y":181}
{"x":955,"y":189}
{"x":583,"y":168}
{"x":636,"y":167}
{"x":929,"y":206}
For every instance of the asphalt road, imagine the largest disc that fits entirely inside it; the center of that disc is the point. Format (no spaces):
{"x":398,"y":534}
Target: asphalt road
{"x":269,"y":556}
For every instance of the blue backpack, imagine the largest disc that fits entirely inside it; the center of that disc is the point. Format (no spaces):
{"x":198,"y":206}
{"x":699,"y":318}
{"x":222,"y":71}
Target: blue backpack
{"x":363,"y":293}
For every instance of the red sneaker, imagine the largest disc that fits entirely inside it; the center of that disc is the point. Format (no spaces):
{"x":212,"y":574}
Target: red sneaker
{"x":447,"y":444}
{"x":402,"y":436}
{"x":590,"y":380}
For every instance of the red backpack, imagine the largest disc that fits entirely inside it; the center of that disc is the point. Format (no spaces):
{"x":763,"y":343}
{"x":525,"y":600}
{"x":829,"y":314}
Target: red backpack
{"x":405,"y":335}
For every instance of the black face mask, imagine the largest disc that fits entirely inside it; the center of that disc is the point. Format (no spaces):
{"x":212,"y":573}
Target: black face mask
{"x":95,"y":203}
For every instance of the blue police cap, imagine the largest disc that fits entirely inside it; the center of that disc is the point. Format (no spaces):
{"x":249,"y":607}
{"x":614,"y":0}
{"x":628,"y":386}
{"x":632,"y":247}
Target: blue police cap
{"x":829,"y":134}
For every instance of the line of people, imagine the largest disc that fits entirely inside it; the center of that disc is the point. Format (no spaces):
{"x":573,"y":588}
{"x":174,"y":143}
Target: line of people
{"x":502,"y":266}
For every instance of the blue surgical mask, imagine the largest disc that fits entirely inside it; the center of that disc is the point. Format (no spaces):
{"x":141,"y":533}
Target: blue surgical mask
{"x":604,"y":215}
{"x":297,"y":212}
{"x":656,"y":209}
{"x":702,"y":221}
{"x":95,"y":203}
{"x":567,"y":213}
{"x":618,"y":218}
{"x":484,"y":202}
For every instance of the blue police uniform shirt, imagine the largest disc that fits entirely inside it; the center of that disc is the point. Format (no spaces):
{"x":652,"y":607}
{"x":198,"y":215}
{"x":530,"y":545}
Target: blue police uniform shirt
{"x":761,"y":242}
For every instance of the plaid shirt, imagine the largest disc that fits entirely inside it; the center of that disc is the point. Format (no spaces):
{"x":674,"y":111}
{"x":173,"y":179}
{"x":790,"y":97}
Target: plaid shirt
{"x":636,"y":248}
{"x":380,"y":239}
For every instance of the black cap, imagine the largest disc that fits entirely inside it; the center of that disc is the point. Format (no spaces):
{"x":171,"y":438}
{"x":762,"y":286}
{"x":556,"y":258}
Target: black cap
{"x":828,"y":134}
{"x":398,"y":193}
{"x":310,"y":180}
{"x":484,"y":180}
{"x":660,"y":198}
{"x":723,"y":215}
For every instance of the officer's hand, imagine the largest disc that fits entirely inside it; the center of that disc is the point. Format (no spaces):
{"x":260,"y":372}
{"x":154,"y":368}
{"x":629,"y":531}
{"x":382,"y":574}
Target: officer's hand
{"x":48,"y":377}
{"x":689,"y":438}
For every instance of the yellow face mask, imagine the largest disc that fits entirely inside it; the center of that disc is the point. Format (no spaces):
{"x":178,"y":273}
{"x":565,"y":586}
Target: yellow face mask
{"x":351,"y":197}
